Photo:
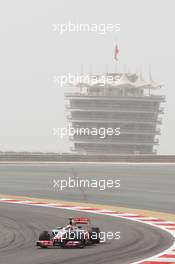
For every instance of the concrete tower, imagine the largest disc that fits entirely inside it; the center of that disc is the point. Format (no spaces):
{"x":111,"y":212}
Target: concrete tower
{"x":123,"y":101}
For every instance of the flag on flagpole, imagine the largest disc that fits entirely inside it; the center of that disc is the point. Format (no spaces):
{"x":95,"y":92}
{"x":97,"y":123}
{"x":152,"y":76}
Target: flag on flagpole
{"x":116,"y":52}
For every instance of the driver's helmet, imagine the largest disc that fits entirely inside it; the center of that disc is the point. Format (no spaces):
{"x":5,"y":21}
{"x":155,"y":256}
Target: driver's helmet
{"x":72,"y":222}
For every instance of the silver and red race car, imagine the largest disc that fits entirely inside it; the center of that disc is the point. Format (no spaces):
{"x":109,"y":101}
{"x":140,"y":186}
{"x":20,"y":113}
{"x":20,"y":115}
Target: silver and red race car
{"x":78,"y":233}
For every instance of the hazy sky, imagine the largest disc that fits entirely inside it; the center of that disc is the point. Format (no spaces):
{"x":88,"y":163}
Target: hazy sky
{"x":32,"y":53}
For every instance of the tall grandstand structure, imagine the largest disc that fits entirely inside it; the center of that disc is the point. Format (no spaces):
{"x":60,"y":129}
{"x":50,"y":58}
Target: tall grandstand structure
{"x":124,"y":101}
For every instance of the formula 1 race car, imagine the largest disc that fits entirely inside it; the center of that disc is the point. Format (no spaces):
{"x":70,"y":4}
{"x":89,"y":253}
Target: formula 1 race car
{"x":77,"y":234}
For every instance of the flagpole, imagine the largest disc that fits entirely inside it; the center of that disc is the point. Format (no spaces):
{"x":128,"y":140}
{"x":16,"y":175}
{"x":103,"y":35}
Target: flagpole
{"x":106,"y":77}
{"x":116,"y":67}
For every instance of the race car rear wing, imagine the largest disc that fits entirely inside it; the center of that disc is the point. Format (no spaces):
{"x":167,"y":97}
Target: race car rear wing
{"x":80,"y":220}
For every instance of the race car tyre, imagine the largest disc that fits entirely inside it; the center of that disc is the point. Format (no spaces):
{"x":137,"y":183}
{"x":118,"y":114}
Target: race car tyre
{"x":82,"y":245}
{"x":95,"y":235}
{"x":44,"y":236}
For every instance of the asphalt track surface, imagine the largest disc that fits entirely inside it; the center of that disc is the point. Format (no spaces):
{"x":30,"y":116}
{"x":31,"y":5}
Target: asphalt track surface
{"x":20,"y":226}
{"x":149,"y":187}
{"x":146,"y":187}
